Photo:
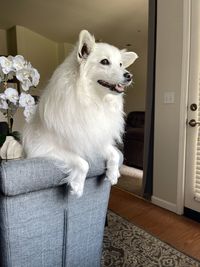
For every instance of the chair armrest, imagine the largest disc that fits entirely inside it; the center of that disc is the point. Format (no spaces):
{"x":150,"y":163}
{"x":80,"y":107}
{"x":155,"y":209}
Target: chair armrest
{"x":28,"y":175}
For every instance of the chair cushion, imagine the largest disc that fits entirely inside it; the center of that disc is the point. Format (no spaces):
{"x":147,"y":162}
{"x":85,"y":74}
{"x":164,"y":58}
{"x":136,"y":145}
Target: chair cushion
{"x":134,"y":133}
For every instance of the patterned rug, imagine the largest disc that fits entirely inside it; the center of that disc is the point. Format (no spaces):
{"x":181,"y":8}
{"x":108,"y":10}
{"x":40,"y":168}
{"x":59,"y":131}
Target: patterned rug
{"x":126,"y":245}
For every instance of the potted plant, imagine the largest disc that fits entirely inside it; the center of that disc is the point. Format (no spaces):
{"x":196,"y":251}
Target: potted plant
{"x":19,"y":71}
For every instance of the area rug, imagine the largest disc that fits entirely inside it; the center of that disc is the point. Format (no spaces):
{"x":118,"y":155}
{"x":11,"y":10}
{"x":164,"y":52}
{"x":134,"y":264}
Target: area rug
{"x":130,"y":180}
{"x":126,"y":245}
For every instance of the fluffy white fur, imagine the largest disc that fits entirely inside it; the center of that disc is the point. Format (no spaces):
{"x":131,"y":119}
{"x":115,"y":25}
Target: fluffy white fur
{"x":77,"y":117}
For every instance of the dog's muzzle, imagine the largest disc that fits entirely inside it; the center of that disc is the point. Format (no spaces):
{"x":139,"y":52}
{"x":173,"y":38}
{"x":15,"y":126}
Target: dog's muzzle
{"x":119,"y":88}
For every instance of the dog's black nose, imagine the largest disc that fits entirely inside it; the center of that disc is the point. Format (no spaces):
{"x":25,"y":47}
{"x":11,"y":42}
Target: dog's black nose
{"x":128,"y":76}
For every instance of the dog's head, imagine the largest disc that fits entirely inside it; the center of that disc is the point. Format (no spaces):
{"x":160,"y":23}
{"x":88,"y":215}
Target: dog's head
{"x":103,"y":64}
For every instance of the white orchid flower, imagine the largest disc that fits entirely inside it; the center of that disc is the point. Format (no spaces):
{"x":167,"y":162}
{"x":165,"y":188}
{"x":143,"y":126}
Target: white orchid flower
{"x":11,"y":94}
{"x":23,"y":74}
{"x":3,"y":103}
{"x":6,"y":64}
{"x":18,"y":62}
{"x":17,"y":67}
{"x":26,"y":84}
{"x":2,"y":96}
{"x":26,"y":100}
{"x":35,"y":77}
{"x":28,"y":77}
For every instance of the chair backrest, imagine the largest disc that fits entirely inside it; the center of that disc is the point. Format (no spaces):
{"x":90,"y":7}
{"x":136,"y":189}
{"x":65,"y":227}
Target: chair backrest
{"x":136,"y":119}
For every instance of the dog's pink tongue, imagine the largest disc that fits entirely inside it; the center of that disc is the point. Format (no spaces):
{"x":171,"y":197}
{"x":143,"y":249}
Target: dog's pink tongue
{"x":119,"y":88}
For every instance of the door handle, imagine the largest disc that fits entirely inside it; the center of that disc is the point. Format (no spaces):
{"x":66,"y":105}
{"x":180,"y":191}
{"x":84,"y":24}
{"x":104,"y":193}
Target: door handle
{"x":193,"y":123}
{"x":193,"y":106}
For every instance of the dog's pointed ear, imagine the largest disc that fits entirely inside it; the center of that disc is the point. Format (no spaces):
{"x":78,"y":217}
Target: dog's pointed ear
{"x":128,"y":57}
{"x":85,"y":45}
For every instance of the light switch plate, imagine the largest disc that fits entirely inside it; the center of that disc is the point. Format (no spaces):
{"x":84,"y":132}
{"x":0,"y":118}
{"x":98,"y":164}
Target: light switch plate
{"x":169,"y":97}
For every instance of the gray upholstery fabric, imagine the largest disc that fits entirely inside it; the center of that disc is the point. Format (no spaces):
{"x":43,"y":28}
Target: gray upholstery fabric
{"x":27,"y":175}
{"x":42,"y":224}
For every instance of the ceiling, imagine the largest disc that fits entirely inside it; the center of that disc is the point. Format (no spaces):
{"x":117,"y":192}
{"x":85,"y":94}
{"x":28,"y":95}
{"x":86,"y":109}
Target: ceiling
{"x":119,"y":22}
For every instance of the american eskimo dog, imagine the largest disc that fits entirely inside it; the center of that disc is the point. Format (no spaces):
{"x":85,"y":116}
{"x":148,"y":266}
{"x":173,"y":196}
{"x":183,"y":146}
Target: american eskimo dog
{"x":80,"y":113}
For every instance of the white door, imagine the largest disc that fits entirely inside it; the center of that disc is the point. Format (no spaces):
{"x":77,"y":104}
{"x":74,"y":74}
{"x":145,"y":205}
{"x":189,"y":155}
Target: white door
{"x":192,"y":182}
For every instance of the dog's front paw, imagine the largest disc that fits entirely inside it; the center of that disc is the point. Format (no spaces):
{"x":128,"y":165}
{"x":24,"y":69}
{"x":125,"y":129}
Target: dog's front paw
{"x":112,"y":176}
{"x":76,"y":188}
{"x":76,"y":179}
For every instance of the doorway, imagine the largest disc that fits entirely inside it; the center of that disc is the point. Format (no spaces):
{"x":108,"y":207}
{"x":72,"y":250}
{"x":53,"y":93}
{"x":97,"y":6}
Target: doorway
{"x":137,"y":171}
{"x":192,"y":178}
{"x":134,"y":107}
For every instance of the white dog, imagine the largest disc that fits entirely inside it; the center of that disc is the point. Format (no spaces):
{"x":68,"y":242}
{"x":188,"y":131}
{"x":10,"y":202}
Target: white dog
{"x":80,"y":113}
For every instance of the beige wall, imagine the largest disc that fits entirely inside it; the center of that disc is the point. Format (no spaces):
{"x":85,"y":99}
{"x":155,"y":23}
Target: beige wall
{"x":63,"y":51}
{"x":3,"y":42}
{"x":167,"y":116}
{"x":136,"y":94}
{"x":40,"y":51}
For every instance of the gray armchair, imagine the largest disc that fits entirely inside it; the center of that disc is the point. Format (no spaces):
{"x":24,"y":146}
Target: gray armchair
{"x":134,"y":139}
{"x":42,"y":224}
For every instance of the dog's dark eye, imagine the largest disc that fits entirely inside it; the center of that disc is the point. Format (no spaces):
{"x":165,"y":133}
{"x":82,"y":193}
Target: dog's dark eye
{"x":120,"y":64}
{"x":105,"y":62}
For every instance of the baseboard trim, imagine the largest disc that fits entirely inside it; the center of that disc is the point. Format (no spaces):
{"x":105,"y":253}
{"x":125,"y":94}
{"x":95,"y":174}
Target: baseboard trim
{"x":164,"y":204}
{"x":192,"y":214}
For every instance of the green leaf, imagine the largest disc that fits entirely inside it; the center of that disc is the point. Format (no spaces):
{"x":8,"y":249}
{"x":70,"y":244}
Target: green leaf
{"x":2,"y":139}
{"x":17,"y":136}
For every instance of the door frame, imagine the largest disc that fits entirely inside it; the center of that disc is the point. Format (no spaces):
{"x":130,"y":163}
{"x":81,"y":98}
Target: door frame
{"x":183,"y":106}
{"x":147,"y":181}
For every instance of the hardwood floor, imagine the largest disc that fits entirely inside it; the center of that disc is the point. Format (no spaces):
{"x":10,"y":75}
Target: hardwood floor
{"x":178,"y":231}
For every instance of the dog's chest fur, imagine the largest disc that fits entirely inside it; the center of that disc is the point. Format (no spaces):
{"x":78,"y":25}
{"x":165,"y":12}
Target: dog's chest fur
{"x":90,"y":128}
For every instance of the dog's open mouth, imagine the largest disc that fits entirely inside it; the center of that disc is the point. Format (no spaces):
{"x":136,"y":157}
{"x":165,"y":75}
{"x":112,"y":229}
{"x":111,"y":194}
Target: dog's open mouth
{"x":119,"y":88}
